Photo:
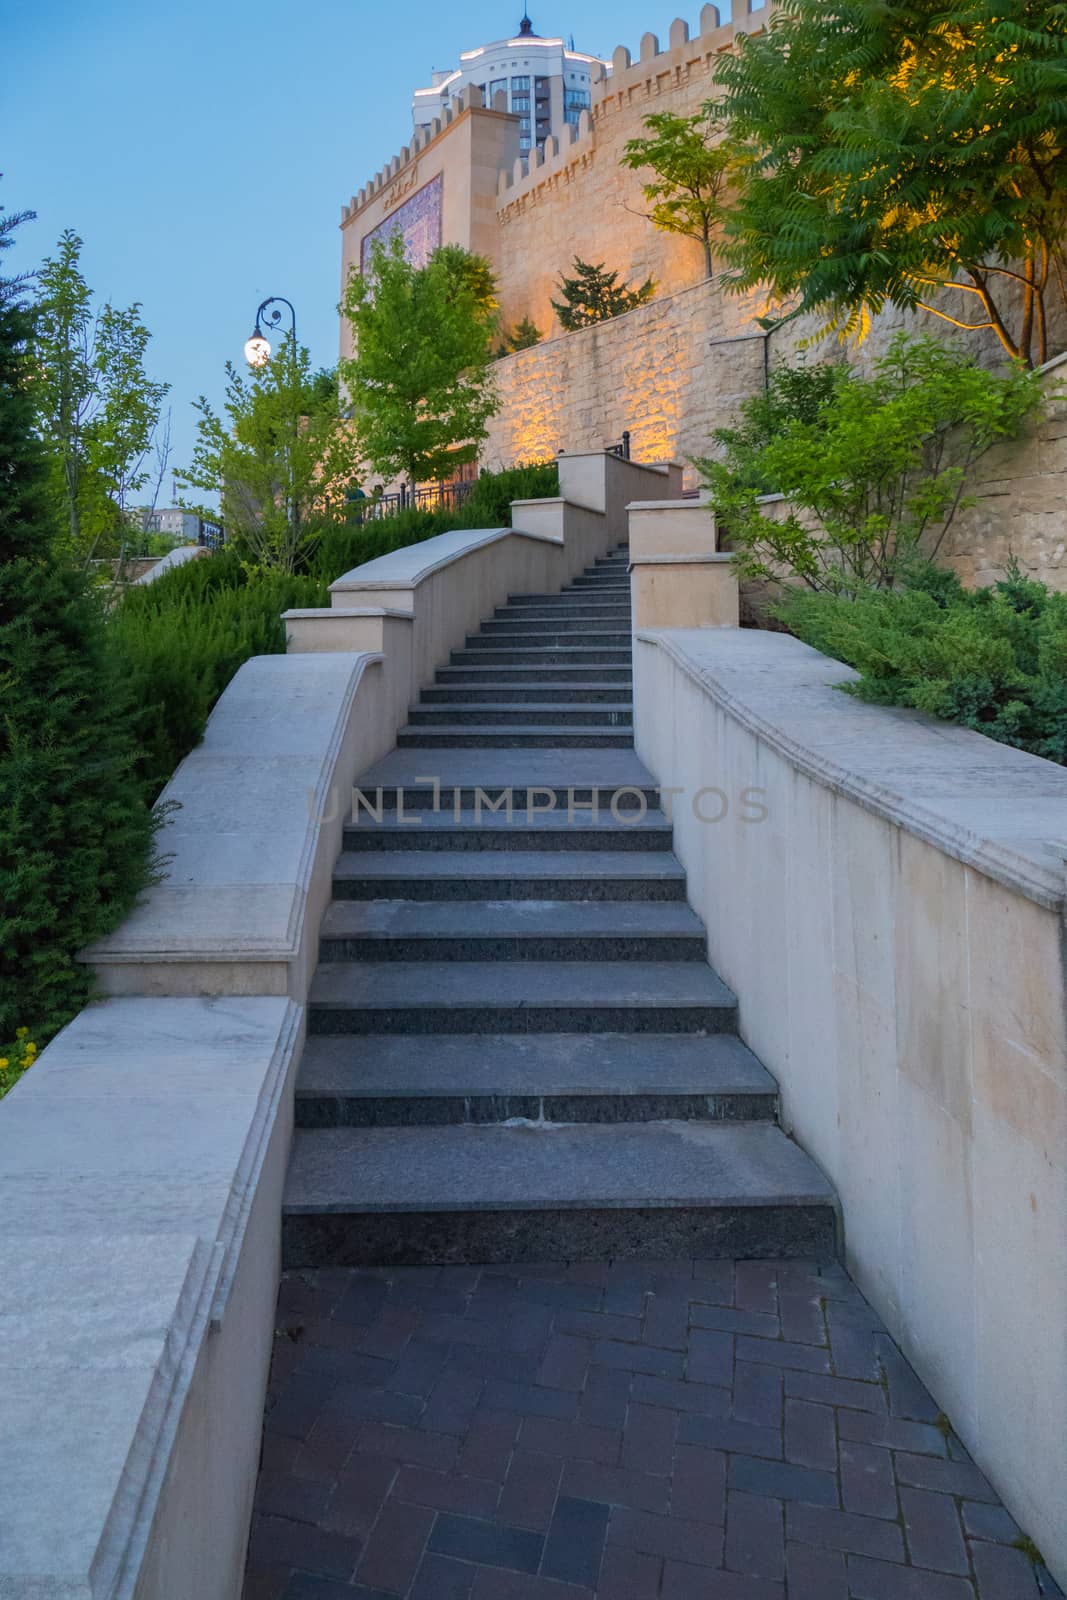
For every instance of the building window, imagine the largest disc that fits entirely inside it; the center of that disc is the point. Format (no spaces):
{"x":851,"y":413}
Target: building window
{"x":576,"y":99}
{"x":520,"y":85}
{"x":524,"y":141}
{"x":497,"y":86}
{"x":520,"y":102}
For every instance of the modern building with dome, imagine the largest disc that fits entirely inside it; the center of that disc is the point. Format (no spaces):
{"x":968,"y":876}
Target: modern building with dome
{"x":547,"y":83}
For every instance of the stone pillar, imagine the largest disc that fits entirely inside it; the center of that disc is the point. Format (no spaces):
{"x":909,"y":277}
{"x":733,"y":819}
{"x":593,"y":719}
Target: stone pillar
{"x":678,"y":576}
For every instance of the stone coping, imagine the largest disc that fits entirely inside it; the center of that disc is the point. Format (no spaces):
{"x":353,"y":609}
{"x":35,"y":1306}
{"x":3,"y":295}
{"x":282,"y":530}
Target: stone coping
{"x":249,"y":802}
{"x":339,"y":613}
{"x":686,"y":503}
{"x":131,"y":1158}
{"x":712,"y":558}
{"x":407,"y":568}
{"x":995,"y":808}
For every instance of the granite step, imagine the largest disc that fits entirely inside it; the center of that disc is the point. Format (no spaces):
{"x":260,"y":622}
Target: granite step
{"x":533,"y":736}
{"x":532,"y":930}
{"x":389,"y":1080}
{"x":501,"y":691}
{"x":493,"y":653}
{"x":530,"y":635}
{"x":533,"y":778}
{"x":480,"y":827}
{"x":552,"y":714}
{"x":599,"y":599}
{"x":532,"y":676}
{"x":564,"y":615}
{"x":508,"y":875}
{"x":420,"y":997}
{"x":538,"y":1192}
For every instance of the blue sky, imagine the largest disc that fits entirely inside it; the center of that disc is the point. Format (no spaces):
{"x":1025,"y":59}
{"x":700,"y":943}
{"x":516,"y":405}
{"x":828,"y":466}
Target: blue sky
{"x":203,"y":150}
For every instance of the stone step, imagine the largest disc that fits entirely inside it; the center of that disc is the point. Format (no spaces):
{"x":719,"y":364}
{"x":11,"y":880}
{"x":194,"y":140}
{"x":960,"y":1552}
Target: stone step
{"x":615,"y":713}
{"x":480,"y":827}
{"x":530,"y":776}
{"x":531,"y":676}
{"x":566,"y":605}
{"x":533,"y":1192}
{"x":387,"y":1080}
{"x":522,"y":997}
{"x":555,"y":629}
{"x":618,"y":596}
{"x":532,"y":930}
{"x":502,"y":691}
{"x":498,"y":736}
{"x":529,"y":635}
{"x":492,"y":653}
{"x":508,"y":875}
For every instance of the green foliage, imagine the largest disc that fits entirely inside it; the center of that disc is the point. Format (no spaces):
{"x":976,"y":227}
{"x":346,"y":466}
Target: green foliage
{"x":894,"y":150}
{"x":523,"y":336}
{"x":279,"y":459}
{"x":487,"y":506}
{"x":75,"y":836}
{"x":97,"y":409}
{"x":875,"y":468}
{"x":994,"y":660}
{"x":179,"y":641}
{"x":693,"y":163}
{"x":594,"y":295}
{"x":419,"y":382}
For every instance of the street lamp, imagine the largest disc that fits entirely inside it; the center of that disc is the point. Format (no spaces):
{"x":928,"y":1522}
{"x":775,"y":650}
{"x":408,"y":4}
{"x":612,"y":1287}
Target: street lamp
{"x":257,"y":346}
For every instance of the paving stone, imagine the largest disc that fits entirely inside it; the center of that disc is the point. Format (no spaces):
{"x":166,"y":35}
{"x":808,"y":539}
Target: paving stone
{"x":416,"y":1447}
{"x":810,"y":1435}
{"x":357,"y":1403}
{"x":268,"y":1583}
{"x":616,"y":1486}
{"x":677,"y":1537}
{"x":571,"y":1439}
{"x":530,"y":1400}
{"x":639,"y":1358}
{"x":490,"y":1585}
{"x":600,"y":1325}
{"x":757,"y":1394}
{"x":815,"y":1573}
{"x":606,"y":1397}
{"x":802,"y":1318}
{"x":893,"y":1432}
{"x":983,"y":1521}
{"x":706,"y":1399}
{"x":713,"y":1283}
{"x":683,"y":1582}
{"x":711,"y":1357}
{"x":419,"y":1367}
{"x":305,"y":1586}
{"x":843,"y":1530}
{"x":783,"y":1353}
{"x":882,"y":1580}
{"x":441,"y":1578}
{"x":835,"y":1391}
{"x":698,"y":1486}
{"x":626,"y":1575}
{"x":755,"y":1286}
{"x":486,"y":1450}
{"x":780,"y":1480}
{"x":730,"y":1320}
{"x":666,"y":1322}
{"x":947,"y":1477}
{"x":452,"y":1403}
{"x":278,"y":1541}
{"x":565,"y":1363}
{"x":907,"y":1396}
{"x":359,"y":1494}
{"x":530,"y":1488}
{"x":486,"y":1543}
{"x":723,"y":1433}
{"x":447,"y":1491}
{"x":575,"y":1541}
{"x":282,"y":1494}
{"x":648,"y":1439}
{"x":1003,"y":1573}
{"x":395,"y":1547}
{"x":755,"y":1536}
{"x":868,"y":1484}
{"x":932,"y":1526}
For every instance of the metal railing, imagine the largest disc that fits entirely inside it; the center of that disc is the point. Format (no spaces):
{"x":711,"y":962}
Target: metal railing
{"x":421,"y":497}
{"x":622,"y":448}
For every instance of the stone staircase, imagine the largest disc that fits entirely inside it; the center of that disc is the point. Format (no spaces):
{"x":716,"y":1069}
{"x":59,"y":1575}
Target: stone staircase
{"x":516,"y":1048}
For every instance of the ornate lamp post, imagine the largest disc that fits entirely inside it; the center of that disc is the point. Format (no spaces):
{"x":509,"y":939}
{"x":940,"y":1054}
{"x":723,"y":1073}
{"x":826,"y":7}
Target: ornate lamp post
{"x":257,"y":346}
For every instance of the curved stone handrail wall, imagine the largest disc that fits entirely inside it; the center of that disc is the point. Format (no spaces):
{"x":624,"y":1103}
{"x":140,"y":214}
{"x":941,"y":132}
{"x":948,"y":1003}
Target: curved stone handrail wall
{"x":893,"y":925}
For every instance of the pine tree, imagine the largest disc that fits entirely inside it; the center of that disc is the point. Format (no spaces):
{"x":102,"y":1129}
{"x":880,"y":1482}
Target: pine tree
{"x":594,"y":295}
{"x":523,"y":336}
{"x":75,"y":833}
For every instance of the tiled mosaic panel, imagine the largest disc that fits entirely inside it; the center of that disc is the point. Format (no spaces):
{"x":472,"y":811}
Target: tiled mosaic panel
{"x":418,"y":221}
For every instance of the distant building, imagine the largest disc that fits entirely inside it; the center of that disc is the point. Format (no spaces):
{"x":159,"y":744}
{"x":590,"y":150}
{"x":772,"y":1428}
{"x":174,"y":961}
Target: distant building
{"x":546,"y":84}
{"x":171,"y":520}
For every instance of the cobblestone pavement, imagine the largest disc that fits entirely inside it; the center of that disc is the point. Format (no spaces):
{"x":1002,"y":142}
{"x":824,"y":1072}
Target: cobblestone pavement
{"x":694,"y":1430}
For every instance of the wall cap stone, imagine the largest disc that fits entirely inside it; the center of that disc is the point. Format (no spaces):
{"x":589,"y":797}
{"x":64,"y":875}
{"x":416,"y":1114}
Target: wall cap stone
{"x":992,"y":807}
{"x":407,"y":568}
{"x":339,"y":613}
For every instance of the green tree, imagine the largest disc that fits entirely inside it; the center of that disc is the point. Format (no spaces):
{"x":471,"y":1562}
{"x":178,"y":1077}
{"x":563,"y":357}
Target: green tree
{"x":523,"y":336}
{"x":874,"y":469}
{"x":594,"y":295}
{"x":75,"y":834}
{"x":693,"y":163}
{"x":279,"y":458}
{"x":97,"y":408}
{"x":419,"y":383}
{"x":913,"y":153}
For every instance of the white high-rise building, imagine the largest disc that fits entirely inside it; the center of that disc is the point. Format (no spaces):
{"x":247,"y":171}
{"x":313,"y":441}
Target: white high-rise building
{"x":547,"y":84}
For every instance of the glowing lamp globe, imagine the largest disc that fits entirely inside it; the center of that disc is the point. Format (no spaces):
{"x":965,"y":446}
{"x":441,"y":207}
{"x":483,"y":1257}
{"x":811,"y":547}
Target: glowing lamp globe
{"x":257,"y":350}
